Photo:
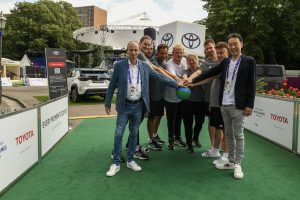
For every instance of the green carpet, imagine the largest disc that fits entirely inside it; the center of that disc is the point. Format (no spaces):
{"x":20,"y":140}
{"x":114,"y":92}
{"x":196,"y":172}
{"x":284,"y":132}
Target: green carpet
{"x":75,"y":170}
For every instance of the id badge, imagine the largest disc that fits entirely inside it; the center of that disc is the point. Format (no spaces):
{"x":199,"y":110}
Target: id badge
{"x":227,"y":87}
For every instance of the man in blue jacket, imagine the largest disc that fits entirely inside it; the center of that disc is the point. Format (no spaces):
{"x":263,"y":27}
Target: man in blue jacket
{"x":131,"y":76}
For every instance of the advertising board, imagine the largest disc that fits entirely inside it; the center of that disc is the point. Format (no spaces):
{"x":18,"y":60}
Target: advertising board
{"x":57,"y":72}
{"x":273,"y":119}
{"x":190,"y":35}
{"x":18,"y":145}
{"x":54,"y":123}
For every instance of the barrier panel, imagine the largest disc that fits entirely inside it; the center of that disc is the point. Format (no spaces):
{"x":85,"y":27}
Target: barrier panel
{"x":54,"y":123}
{"x":6,"y":81}
{"x":27,"y":135}
{"x":36,"y":82}
{"x":18,"y":145}
{"x":273,"y":118}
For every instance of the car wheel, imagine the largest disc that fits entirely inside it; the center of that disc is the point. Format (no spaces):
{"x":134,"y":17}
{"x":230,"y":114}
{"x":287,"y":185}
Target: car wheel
{"x":74,"y":95}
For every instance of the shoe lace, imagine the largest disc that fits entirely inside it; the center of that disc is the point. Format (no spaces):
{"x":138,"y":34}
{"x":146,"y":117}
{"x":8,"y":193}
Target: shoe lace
{"x":133,"y":164}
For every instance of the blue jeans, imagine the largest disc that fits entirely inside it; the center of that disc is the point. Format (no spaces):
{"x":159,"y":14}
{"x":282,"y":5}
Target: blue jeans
{"x":132,"y":112}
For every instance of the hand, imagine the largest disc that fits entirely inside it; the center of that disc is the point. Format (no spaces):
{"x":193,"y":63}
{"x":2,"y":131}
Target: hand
{"x":179,"y":80}
{"x":180,"y":84}
{"x":188,"y":81}
{"x":107,"y":110}
{"x":191,"y":85}
{"x":247,"y":111}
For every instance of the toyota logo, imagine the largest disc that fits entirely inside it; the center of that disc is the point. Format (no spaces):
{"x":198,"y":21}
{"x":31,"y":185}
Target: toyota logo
{"x":56,"y":53}
{"x":190,"y":40}
{"x":167,"y":39}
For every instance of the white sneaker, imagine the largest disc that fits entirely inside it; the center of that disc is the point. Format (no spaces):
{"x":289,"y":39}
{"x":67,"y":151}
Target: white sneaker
{"x":211,"y":153}
{"x":132,"y":165}
{"x":113,"y":169}
{"x":221,"y":160}
{"x":238,"y":174}
{"x":227,"y":165}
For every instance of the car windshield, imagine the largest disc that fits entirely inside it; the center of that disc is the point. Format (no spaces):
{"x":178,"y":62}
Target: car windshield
{"x":94,"y":74}
{"x":270,"y":71}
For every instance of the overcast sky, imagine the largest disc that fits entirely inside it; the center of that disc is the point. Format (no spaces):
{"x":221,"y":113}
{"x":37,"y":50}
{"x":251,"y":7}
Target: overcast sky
{"x":159,"y":11}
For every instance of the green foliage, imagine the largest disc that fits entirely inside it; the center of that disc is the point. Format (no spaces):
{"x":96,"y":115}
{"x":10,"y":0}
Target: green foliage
{"x":260,"y":85}
{"x":271,"y":29}
{"x":31,"y":27}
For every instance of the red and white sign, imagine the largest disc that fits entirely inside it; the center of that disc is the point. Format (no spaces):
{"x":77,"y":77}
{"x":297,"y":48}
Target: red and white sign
{"x":18,"y":145}
{"x":273,"y":119}
{"x":54,"y":123}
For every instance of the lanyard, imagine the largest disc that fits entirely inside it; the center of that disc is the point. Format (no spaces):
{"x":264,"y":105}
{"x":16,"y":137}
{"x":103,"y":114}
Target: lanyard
{"x":138,"y":76}
{"x":235,"y":68}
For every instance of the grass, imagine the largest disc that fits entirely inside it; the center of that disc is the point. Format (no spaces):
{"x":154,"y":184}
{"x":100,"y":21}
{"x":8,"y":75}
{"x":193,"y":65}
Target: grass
{"x":84,"y":101}
{"x":17,"y":82}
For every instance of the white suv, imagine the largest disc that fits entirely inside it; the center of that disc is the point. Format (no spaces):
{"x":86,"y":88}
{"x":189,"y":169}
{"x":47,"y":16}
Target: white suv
{"x":87,"y":82}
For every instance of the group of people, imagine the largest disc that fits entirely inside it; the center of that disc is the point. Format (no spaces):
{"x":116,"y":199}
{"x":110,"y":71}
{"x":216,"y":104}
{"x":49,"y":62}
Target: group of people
{"x":222,"y":88}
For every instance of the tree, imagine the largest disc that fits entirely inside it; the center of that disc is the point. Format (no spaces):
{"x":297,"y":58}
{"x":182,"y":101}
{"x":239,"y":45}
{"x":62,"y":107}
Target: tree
{"x":271,"y":28}
{"x":31,"y":27}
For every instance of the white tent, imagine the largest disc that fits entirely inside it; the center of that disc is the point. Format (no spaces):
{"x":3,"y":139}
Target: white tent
{"x":25,"y":61}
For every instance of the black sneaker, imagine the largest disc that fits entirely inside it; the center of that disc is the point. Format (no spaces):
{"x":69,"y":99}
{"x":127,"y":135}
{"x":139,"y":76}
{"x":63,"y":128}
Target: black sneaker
{"x":171,"y":146}
{"x":190,"y":149}
{"x":196,"y":143}
{"x":122,"y":157}
{"x":153,"y":144}
{"x":180,"y":143}
{"x":141,"y":155}
{"x":158,"y":140}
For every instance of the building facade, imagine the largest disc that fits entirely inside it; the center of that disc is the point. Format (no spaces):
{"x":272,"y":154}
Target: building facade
{"x":92,"y":16}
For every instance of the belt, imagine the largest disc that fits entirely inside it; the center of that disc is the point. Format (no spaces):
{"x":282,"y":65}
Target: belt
{"x":133,"y":101}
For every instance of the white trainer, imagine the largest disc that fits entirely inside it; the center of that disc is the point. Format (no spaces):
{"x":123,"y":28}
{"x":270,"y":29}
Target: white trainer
{"x":211,"y":153}
{"x":238,"y":173}
{"x":113,"y":169}
{"x":135,"y":167}
{"x":227,"y":165}
{"x":221,"y":160}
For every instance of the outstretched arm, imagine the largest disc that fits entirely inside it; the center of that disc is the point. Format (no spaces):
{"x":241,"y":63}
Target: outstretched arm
{"x":203,"y":82}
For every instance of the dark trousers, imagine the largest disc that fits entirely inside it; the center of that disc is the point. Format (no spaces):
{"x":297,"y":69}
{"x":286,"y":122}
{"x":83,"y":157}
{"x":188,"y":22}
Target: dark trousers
{"x":193,"y":111}
{"x":174,"y":118}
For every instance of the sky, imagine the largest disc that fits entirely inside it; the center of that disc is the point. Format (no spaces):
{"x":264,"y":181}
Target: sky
{"x":160,"y":11}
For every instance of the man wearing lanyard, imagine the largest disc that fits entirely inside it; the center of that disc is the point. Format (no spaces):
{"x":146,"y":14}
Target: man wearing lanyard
{"x":132,"y":78}
{"x":237,"y":93}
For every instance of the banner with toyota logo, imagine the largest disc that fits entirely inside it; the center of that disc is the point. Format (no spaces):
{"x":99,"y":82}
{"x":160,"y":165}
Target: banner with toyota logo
{"x":18,"y":145}
{"x":57,"y":72}
{"x":190,"y":35}
{"x":273,"y":119}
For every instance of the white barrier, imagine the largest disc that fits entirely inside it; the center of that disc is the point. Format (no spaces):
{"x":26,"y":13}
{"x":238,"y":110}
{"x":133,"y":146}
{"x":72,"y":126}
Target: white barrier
{"x":6,"y":81}
{"x":22,"y":142}
{"x":36,"y":82}
{"x":273,"y":119}
{"x":54,"y":123}
{"x":18,"y":145}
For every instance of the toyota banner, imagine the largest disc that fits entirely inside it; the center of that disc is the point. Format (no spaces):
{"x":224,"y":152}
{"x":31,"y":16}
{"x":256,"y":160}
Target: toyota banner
{"x":57,"y":72}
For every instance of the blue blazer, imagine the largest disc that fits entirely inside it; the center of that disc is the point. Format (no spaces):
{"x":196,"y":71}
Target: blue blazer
{"x":245,"y":85}
{"x":119,"y":79}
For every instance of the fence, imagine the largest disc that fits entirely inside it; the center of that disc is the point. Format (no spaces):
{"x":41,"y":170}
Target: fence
{"x":27,"y":135}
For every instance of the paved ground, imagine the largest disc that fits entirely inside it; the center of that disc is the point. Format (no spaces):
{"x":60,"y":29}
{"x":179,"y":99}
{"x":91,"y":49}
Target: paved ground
{"x":25,"y":95}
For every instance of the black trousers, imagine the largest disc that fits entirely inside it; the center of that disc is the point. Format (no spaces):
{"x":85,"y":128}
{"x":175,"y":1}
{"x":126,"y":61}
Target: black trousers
{"x":193,"y":111}
{"x":174,"y":118}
